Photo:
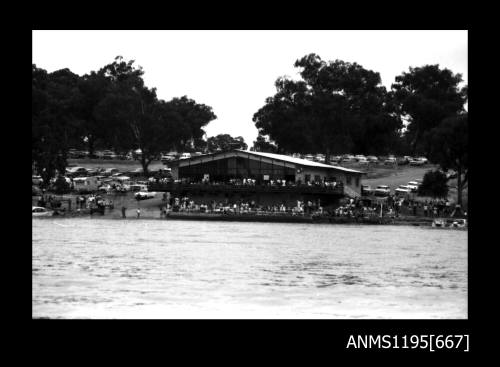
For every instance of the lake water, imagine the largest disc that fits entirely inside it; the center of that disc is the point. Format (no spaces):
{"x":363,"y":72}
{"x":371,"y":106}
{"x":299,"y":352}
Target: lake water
{"x":133,"y":268}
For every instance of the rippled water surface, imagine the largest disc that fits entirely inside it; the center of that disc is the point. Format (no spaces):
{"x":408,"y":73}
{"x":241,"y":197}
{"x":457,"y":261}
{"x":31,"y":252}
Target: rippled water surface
{"x":103,"y":268}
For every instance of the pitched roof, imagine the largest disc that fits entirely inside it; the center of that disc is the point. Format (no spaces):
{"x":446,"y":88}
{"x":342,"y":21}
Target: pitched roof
{"x":302,"y":162}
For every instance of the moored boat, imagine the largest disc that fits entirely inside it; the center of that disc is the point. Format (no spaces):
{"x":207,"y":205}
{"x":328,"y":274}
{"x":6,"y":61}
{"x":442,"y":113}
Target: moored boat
{"x":40,"y":211}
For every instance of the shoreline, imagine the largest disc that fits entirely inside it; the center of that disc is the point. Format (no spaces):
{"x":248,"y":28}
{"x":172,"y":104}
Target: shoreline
{"x":266,"y":218}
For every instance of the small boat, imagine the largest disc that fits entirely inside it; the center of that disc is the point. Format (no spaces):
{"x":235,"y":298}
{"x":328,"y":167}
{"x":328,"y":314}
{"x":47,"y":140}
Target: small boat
{"x":459,"y":223}
{"x":40,"y":211}
{"x":439,"y":223}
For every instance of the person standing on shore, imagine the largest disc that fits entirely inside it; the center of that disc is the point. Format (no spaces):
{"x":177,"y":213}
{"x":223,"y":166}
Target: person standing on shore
{"x":123,"y":212}
{"x":138,"y":212}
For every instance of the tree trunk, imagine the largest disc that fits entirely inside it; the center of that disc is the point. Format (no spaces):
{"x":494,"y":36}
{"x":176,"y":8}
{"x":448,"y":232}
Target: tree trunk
{"x":459,"y":186}
{"x":327,"y":156}
{"x":91,"y":145}
{"x":415,"y":142}
{"x":145,"y":163}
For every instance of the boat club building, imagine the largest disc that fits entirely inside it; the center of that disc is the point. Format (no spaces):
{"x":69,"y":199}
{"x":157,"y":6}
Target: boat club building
{"x":298,"y":176}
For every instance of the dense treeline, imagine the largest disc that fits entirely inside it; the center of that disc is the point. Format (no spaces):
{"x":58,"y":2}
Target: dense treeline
{"x":340,"y":107}
{"x":109,"y":108}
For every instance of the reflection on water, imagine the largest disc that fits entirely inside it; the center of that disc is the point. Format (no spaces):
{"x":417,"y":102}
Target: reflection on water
{"x":99,"y":268}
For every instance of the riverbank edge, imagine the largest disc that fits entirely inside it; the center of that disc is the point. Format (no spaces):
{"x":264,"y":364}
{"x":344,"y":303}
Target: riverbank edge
{"x":419,"y":222}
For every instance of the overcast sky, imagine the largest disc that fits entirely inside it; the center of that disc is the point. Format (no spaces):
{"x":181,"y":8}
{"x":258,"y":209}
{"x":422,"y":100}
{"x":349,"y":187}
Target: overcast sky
{"x":234,"y":71}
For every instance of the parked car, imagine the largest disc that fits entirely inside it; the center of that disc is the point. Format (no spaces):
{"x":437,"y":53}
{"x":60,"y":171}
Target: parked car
{"x":366,"y":190}
{"x":363,"y":160}
{"x":110,"y":171}
{"x":105,"y":188}
{"x":390,"y":161}
{"x":319,"y":158}
{"x":167,"y":158}
{"x":108,"y":154}
{"x":382,"y":190}
{"x":75,"y":153}
{"x":372,"y":159}
{"x":416,"y":162}
{"x":36,"y":180}
{"x":76,"y":171}
{"x":423,"y":159}
{"x":403,"y":190}
{"x":335,"y":158}
{"x":413,"y":185}
{"x":138,"y":187}
{"x":309,"y":157}
{"x":143,"y":195}
{"x":451,"y":174}
{"x":38,"y":211}
{"x":348,"y":158}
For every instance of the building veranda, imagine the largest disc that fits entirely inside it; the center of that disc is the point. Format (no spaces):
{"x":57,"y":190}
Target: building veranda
{"x":264,"y":177}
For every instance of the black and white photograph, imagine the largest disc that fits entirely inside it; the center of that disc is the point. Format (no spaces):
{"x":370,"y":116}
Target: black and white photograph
{"x":250,"y":174}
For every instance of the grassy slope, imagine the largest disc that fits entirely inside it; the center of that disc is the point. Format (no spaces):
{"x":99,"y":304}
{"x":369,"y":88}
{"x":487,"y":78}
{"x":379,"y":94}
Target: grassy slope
{"x":401,"y":175}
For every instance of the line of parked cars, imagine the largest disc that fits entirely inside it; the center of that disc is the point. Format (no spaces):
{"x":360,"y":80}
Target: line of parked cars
{"x":172,"y":156}
{"x":361,"y":159}
{"x":83,"y":180}
{"x":384,"y":190}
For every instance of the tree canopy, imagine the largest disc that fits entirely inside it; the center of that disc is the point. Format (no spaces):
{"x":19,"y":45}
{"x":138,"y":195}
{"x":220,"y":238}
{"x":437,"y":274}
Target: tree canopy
{"x":449,"y":147}
{"x":225,"y":143}
{"x":261,"y":144}
{"x":434,"y":184}
{"x":111,"y":107}
{"x":337,"y":107}
{"x":426,"y":96}
{"x":55,"y":119}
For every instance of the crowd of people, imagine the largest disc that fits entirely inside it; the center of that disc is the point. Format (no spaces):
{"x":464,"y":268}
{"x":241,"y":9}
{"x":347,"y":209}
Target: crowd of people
{"x":186,"y":204}
{"x":249,"y":182}
{"x":397,"y":207}
{"x":91,"y":201}
{"x":352,"y":208}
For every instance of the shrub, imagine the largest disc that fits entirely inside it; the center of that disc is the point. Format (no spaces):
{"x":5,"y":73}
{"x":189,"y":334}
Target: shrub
{"x":61,"y":186}
{"x":434,"y":184}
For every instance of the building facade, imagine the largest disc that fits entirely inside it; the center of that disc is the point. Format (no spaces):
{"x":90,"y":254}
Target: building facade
{"x":263,"y":168}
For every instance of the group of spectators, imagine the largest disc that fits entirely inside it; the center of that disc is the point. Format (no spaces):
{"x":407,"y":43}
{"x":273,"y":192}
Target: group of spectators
{"x":357,"y":207}
{"x":49,"y":201}
{"x":434,"y":208}
{"x":186,"y":204}
{"x":91,"y":201}
{"x":248,"y":182}
{"x":396,"y":207}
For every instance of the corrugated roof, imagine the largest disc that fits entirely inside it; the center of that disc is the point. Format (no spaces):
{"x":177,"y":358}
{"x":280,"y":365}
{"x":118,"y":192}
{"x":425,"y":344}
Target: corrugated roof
{"x":302,"y":162}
